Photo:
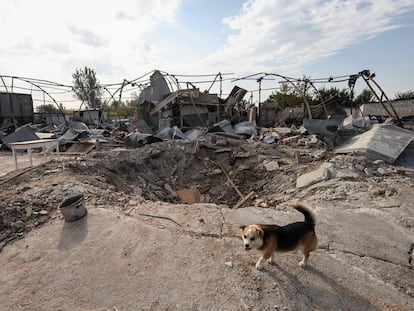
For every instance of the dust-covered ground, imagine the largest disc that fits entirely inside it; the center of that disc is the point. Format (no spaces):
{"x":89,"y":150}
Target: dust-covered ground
{"x":140,"y":249}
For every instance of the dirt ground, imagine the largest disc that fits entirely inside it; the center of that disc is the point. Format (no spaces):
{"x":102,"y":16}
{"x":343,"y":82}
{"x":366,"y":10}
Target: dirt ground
{"x":138,"y":248}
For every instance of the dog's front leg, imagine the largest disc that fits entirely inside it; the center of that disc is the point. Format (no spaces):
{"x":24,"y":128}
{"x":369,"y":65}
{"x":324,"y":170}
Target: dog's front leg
{"x":270,"y":260}
{"x":259,"y":264}
{"x":267,"y":256}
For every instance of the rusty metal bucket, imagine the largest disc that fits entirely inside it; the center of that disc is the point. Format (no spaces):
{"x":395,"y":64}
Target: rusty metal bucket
{"x":73,"y":207}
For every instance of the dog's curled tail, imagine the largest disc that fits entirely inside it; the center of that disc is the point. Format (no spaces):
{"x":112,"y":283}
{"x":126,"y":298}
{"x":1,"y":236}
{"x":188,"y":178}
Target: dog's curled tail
{"x":306,"y":211}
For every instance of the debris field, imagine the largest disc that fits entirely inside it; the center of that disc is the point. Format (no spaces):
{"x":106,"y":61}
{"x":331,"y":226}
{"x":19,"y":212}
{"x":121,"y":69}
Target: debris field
{"x":363,"y":205}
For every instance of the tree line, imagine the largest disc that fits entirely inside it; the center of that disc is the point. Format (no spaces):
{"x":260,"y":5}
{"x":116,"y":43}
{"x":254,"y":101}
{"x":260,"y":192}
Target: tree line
{"x":290,"y":96}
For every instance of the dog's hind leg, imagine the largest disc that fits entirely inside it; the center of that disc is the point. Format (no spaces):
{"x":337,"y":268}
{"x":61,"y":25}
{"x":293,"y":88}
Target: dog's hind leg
{"x":309,"y":243}
{"x":305,"y":258}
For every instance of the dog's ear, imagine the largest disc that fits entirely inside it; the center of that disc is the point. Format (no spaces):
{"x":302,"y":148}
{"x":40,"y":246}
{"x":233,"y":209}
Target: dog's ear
{"x":260,"y":232}
{"x":242,"y":227}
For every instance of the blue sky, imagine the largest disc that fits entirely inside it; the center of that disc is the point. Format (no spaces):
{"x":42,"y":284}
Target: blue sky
{"x":125,"y":39}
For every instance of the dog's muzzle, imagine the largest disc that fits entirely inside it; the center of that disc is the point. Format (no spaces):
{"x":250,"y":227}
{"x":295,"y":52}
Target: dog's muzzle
{"x":247,"y":247}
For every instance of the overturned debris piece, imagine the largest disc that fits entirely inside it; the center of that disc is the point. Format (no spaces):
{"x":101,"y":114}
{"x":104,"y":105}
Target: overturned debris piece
{"x":73,"y":207}
{"x":82,"y":148}
{"x":195,"y":134}
{"x":382,"y":141}
{"x":222,"y":126}
{"x":72,"y":135}
{"x":326,"y":127}
{"x":22,"y":133}
{"x":270,"y":138}
{"x":361,"y":122}
{"x":246,"y":128}
{"x":169,"y":133}
{"x":135,"y":140}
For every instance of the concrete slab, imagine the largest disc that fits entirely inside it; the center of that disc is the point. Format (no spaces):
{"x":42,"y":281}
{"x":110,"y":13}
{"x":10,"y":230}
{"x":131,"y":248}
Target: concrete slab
{"x":382,"y":141}
{"x":108,"y":260}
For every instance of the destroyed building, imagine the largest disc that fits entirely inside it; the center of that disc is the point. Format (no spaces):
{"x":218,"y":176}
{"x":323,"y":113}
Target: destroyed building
{"x":186,"y":108}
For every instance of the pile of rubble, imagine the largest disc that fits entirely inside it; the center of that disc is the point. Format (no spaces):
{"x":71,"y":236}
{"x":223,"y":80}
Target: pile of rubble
{"x":264,"y":168}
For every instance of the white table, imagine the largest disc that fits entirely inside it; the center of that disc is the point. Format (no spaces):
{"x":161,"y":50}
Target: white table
{"x":32,"y":144}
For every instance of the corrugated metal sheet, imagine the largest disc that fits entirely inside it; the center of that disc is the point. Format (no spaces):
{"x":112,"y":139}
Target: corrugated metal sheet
{"x":18,"y":106}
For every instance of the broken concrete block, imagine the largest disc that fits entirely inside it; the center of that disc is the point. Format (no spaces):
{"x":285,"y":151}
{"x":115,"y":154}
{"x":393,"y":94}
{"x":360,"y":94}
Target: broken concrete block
{"x":323,"y":173}
{"x":272,"y":165}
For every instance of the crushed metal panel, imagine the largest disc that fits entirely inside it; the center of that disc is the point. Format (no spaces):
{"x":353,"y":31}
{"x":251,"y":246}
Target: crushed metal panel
{"x":236,"y":95}
{"x":80,"y":148}
{"x":78,"y":125}
{"x":23,"y":133}
{"x":382,"y":141}
{"x":136,"y":140}
{"x":71,"y":135}
{"x":222,"y":126}
{"x":320,"y":126}
{"x":169,"y":133}
{"x":246,"y":128}
{"x":16,"y":107}
{"x":194,"y":134}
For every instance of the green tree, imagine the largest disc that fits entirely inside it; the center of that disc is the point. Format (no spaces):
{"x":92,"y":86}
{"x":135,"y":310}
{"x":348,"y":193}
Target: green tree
{"x":124,"y":109}
{"x":48,"y":108}
{"x":404,"y":95}
{"x":289,"y":95}
{"x":364,"y":97}
{"x":87,"y":88}
{"x":333,"y":96}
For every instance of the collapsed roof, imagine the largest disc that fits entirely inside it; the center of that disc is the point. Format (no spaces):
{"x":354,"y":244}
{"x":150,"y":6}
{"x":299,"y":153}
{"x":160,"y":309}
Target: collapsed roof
{"x":186,"y":108}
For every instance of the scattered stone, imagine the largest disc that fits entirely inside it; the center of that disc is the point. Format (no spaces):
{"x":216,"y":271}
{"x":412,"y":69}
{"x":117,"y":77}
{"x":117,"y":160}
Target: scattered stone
{"x":323,"y":173}
{"x":221,"y":142}
{"x":382,"y":171}
{"x":229,"y":264}
{"x":271,"y":165}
